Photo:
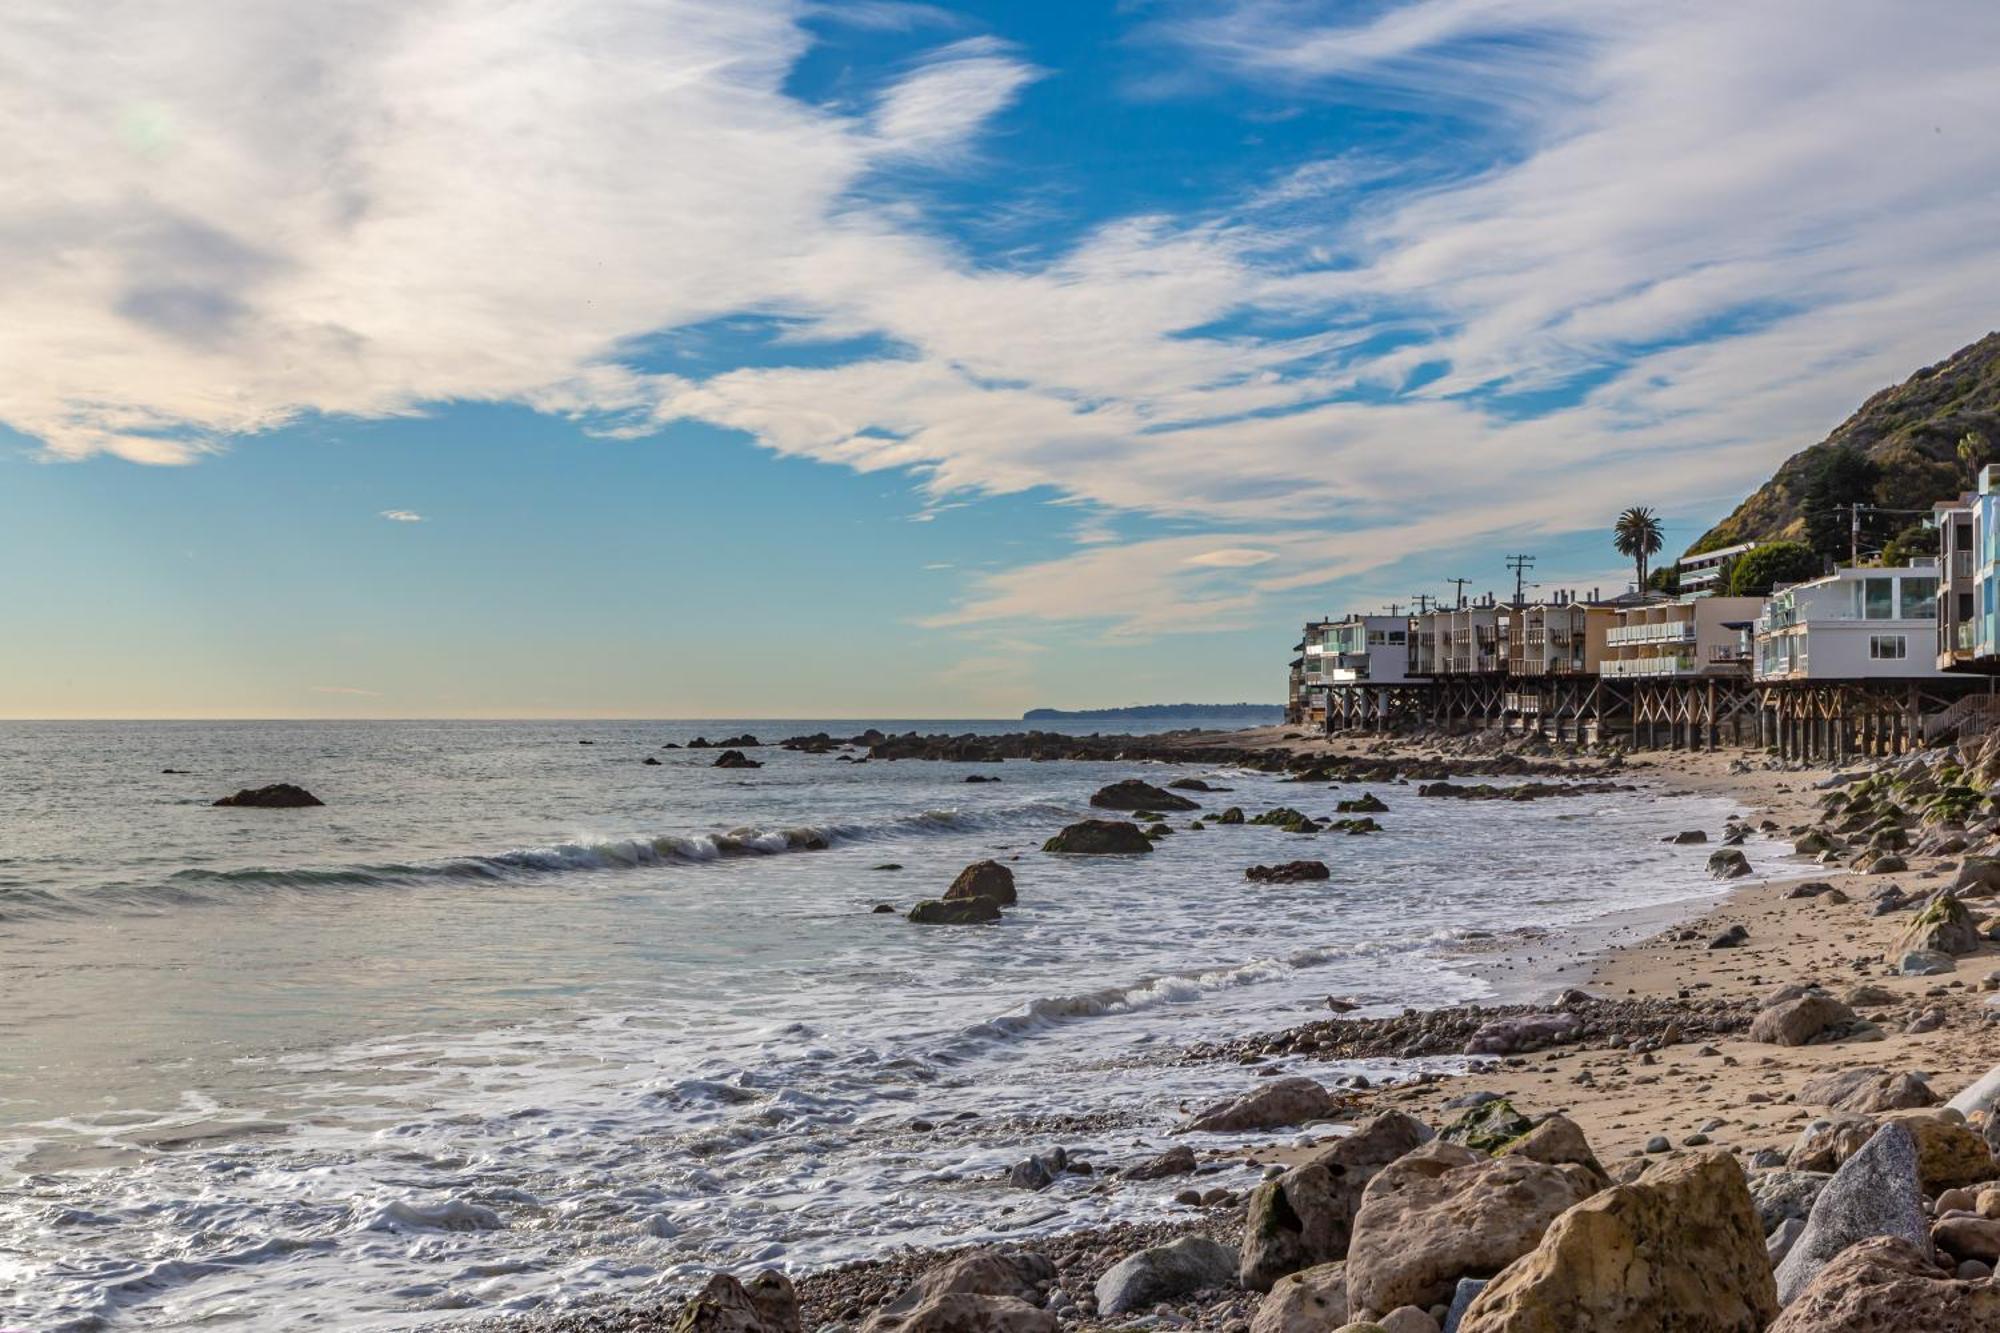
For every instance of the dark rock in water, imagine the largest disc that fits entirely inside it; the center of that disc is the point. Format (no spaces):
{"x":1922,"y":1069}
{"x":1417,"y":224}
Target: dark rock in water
{"x":1233,"y":815}
{"x":1291,"y":872}
{"x":1353,"y":827}
{"x":1178,"y":1160}
{"x":799,"y":840}
{"x":1032,"y":1174}
{"x":650,"y":762}
{"x":957,"y":912}
{"x":1728,"y":864}
{"x":1368,"y":803}
{"x":1132,"y":794}
{"x":744,"y":742}
{"x":884,"y":908}
{"x":179,"y":772}
{"x":888,"y":865}
{"x":1874,"y":1193}
{"x":586,"y":742}
{"x":1164,"y":1273}
{"x":766,"y":1304}
{"x":1688,"y":836}
{"x":1284,"y":817}
{"x":671,"y":745}
{"x":979,"y":777}
{"x":984,"y":879}
{"x":1192,"y":784}
{"x":734,"y":759}
{"x":277,"y":796}
{"x":1099,"y":837}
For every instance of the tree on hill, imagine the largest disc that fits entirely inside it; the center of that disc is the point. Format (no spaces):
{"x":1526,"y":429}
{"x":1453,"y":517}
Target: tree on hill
{"x":1757,"y":571}
{"x":1844,"y":477}
{"x":1973,"y":453}
{"x":1638,"y":536}
{"x":1919,"y":539}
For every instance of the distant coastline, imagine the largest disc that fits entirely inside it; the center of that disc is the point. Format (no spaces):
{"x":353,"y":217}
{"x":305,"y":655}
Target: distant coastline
{"x":1246,"y":713}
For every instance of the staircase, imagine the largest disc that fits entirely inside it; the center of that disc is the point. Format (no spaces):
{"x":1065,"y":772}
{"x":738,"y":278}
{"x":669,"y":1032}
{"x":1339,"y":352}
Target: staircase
{"x":1971,"y":717}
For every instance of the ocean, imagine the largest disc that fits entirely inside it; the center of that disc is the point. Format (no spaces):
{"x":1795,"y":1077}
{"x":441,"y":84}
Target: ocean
{"x":517,"y":1022}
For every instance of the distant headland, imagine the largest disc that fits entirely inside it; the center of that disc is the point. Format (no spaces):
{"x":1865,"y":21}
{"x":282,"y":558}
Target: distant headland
{"x":1245,"y":713}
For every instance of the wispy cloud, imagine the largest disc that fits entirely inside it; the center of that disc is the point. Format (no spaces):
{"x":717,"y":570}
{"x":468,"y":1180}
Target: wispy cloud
{"x":402,"y":516}
{"x":346,"y":689}
{"x":1696,"y":235}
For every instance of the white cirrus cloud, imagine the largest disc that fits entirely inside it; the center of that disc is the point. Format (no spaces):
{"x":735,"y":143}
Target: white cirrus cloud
{"x":402,"y":516}
{"x":1694,"y":237}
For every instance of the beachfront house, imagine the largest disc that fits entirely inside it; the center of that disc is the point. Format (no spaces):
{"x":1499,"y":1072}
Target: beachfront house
{"x":1365,"y":648}
{"x":1690,"y":636}
{"x":1565,"y":637}
{"x":1852,"y":624}
{"x":1462,"y":642}
{"x":1702,"y":575}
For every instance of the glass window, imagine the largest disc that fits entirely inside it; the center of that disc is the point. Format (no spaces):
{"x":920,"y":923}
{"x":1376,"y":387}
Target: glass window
{"x":1878,"y":599}
{"x":1395,"y":636}
{"x":1920,"y":599}
{"x":1887,"y":647}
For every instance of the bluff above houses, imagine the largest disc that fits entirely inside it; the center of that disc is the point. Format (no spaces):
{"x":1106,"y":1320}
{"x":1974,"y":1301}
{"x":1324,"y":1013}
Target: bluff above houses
{"x":1910,"y":433}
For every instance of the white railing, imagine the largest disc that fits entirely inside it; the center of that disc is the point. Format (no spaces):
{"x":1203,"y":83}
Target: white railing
{"x":1666,"y":665}
{"x":1671,"y":631}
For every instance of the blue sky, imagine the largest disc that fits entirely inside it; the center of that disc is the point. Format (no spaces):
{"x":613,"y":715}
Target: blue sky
{"x":698,"y":358}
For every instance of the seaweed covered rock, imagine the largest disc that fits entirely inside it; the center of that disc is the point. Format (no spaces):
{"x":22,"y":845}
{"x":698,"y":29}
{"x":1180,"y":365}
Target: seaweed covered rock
{"x":1488,"y":1127}
{"x":1284,"y":817}
{"x":955,"y":912}
{"x":1943,"y":925}
{"x":1132,"y":794}
{"x":1099,"y":837}
{"x":1368,"y":803}
{"x":1291,"y":872}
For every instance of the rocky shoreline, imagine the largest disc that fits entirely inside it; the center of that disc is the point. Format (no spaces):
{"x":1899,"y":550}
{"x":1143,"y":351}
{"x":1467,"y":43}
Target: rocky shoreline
{"x":1753,"y":1135}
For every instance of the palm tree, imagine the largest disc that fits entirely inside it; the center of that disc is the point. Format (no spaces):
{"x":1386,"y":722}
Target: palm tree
{"x":1638,"y":534}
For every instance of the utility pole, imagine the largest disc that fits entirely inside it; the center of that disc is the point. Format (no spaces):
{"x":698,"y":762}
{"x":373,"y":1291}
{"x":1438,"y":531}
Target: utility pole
{"x":1521,"y":564}
{"x":1459,"y":584}
{"x":1423,"y":601}
{"x":1395,"y":608}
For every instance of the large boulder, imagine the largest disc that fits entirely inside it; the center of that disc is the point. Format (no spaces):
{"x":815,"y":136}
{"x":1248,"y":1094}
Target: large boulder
{"x":1132,"y":794}
{"x":1875,"y":1193}
{"x":1311,"y":1301}
{"x":1558,"y":1140}
{"x":1166,"y":1273}
{"x":959,"y":912}
{"x":1948,"y":1153}
{"x":277,"y":796}
{"x":1444,"y":1212}
{"x":1099,"y":837}
{"x":1678,"y":1249}
{"x":1886,"y":1284}
{"x":1943,"y":926}
{"x":1729,"y":863}
{"x":1275,"y":1105}
{"x":736,"y":759}
{"x":1868,"y":1091}
{"x":1978,"y":877}
{"x":766,"y":1304}
{"x":984,"y":879}
{"x":990,"y":1289}
{"x":1305,"y":1217}
{"x":1803,"y":1019}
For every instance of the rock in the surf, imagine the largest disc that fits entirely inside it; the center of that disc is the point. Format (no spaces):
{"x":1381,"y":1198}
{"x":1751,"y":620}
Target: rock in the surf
{"x":955,"y":912}
{"x":1132,"y":794}
{"x":984,"y":879}
{"x":1099,"y":837}
{"x":736,"y":759}
{"x":1290,"y":872}
{"x":277,"y":796}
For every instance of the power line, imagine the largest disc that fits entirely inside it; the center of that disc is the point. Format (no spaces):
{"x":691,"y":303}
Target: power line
{"x":1459,"y":584}
{"x":1520,"y":564}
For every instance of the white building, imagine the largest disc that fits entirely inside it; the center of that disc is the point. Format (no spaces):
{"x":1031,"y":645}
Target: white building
{"x":1701,"y":575}
{"x":1359,"y":649}
{"x":1852,"y":624}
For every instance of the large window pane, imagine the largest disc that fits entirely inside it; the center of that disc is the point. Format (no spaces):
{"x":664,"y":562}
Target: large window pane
{"x":1878,"y":599}
{"x":1919,"y":599}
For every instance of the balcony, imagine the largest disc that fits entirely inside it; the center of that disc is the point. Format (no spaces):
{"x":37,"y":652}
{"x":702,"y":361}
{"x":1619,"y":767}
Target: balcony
{"x":1664,"y":664}
{"x":1671,"y":631}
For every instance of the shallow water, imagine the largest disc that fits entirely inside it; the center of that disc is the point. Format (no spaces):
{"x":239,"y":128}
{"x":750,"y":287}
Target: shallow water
{"x":519,"y":1023}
